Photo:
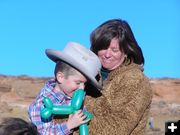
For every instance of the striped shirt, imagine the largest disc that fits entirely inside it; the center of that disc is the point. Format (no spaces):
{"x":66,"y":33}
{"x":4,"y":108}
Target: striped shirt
{"x":48,"y":126}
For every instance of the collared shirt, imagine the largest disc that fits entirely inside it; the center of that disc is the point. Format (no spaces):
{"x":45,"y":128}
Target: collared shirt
{"x":104,"y":73}
{"x":48,"y":126}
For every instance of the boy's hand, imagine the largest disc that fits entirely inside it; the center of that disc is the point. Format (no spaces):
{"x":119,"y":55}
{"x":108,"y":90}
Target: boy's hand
{"x":76,"y":119}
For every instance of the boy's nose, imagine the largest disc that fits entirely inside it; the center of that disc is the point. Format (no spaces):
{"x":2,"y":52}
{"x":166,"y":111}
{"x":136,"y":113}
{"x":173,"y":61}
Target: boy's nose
{"x":82,"y":85}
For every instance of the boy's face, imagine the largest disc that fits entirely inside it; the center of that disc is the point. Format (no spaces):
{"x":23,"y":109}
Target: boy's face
{"x":68,"y":84}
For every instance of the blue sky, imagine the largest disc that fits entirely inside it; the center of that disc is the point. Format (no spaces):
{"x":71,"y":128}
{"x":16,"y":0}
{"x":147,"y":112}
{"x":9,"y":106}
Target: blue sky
{"x":28,"y":27}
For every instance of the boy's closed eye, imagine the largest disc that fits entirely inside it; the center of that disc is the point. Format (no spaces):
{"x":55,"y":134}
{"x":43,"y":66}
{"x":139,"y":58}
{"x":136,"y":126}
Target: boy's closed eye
{"x":80,"y":82}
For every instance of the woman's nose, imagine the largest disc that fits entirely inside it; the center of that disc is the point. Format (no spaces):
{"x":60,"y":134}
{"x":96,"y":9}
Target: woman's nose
{"x":107,"y":53}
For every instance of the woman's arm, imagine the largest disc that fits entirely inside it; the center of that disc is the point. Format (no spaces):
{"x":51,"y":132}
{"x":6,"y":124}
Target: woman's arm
{"x":122,"y":106}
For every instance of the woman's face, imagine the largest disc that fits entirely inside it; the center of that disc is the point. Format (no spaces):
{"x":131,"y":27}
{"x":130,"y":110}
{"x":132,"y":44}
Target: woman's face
{"x":111,"y":57}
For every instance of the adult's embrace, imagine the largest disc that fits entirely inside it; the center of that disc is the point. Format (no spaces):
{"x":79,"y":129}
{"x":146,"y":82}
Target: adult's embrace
{"x":124,"y":102}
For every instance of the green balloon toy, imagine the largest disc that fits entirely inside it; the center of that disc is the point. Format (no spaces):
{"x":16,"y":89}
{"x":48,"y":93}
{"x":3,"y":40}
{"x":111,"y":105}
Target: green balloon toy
{"x":76,"y":104}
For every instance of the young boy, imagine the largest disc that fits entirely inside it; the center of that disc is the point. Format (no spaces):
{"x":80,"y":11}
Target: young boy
{"x":75,"y":65}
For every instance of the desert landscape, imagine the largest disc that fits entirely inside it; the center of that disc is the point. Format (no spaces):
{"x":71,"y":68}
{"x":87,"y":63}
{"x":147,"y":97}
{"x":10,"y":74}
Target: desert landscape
{"x":17,"y":92}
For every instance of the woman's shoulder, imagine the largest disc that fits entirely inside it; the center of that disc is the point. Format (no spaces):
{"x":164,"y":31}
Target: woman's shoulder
{"x":131,"y":71}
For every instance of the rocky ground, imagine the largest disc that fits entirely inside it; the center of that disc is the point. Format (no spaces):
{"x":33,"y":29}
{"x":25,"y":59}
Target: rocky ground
{"x":17,"y":92}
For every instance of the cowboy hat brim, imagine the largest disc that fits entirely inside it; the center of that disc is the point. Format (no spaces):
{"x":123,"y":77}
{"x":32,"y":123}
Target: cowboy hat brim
{"x":61,"y":56}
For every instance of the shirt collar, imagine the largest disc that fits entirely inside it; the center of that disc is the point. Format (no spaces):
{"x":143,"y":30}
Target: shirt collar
{"x":50,"y":85}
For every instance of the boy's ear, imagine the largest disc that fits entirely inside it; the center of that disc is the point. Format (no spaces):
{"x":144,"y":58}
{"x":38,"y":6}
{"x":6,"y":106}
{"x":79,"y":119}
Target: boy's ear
{"x":59,"y":77}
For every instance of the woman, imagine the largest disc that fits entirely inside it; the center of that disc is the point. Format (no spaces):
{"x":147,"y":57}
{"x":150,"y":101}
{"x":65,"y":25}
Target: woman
{"x":123,"y":107}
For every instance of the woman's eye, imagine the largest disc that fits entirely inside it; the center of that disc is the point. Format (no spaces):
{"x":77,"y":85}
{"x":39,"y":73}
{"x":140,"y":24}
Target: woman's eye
{"x":115,"y":50}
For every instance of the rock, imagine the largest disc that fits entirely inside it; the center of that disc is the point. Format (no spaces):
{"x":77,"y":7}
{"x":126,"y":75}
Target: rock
{"x":5,"y":107}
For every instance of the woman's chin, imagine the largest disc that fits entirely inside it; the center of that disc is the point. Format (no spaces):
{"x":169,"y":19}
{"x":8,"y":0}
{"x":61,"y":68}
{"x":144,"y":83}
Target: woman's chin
{"x":108,"y":67}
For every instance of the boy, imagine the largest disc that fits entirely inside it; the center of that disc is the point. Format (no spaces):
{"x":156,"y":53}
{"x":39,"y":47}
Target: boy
{"x":75,"y":65}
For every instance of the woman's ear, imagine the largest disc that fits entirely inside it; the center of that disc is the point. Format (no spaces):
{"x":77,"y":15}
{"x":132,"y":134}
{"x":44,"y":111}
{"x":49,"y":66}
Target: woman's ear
{"x":59,"y":77}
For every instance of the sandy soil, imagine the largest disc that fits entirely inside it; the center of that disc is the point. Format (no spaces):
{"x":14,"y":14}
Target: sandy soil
{"x":16,"y":93}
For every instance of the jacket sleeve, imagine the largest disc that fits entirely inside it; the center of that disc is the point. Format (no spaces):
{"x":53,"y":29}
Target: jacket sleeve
{"x":48,"y":126}
{"x":122,"y":106}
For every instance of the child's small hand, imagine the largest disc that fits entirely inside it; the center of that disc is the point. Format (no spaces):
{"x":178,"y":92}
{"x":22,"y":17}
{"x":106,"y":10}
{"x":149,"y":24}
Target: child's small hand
{"x":76,"y":119}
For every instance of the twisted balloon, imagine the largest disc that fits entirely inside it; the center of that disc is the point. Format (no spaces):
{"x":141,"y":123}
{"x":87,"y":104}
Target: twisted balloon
{"x":76,"y":103}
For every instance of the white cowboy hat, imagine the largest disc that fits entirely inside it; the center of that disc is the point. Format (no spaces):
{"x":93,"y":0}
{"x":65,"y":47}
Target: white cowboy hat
{"x":81,"y":58}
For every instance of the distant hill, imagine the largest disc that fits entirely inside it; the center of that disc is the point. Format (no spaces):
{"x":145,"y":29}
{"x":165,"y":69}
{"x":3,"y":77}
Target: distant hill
{"x":17,"y":92}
